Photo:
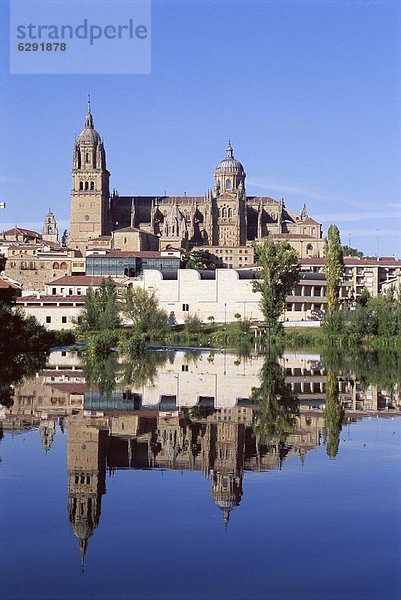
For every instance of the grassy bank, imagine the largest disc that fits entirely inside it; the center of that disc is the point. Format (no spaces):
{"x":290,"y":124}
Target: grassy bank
{"x":231,"y":335}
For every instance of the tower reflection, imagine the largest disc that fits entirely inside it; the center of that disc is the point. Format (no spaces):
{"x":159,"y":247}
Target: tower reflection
{"x":208,"y":412}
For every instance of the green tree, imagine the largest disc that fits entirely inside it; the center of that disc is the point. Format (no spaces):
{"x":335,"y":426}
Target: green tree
{"x":101,"y":310}
{"x":364,"y":297}
{"x":142,"y":307}
{"x":193,"y":324}
{"x":198,"y":259}
{"x":348,"y":251}
{"x":334,"y":268}
{"x":333,"y":415}
{"x":276,"y":279}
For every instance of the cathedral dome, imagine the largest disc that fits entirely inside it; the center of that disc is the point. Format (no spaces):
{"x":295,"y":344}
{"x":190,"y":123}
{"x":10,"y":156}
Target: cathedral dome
{"x":89,"y":135}
{"x":229,"y":165}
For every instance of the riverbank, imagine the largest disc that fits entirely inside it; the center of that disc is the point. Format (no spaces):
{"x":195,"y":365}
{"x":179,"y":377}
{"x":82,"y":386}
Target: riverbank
{"x":239,"y":335}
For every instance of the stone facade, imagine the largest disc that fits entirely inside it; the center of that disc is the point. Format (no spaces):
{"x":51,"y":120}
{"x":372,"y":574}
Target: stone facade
{"x":34,"y":265}
{"x":224,"y":217}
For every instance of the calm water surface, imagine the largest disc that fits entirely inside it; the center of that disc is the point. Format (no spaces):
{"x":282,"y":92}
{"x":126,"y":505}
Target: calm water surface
{"x":167,"y":489}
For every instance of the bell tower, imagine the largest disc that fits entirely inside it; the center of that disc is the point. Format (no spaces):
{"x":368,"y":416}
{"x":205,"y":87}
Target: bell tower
{"x":90,"y":187}
{"x":86,"y":471}
{"x":229,"y":202}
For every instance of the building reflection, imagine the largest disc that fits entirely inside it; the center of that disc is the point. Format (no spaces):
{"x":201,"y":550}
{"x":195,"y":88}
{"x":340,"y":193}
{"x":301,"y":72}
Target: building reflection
{"x":197,"y":415}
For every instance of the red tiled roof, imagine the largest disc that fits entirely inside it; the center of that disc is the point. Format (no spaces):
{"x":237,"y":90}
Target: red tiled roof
{"x":70,"y":373}
{"x":77,"y":280}
{"x":6,"y":285}
{"x":72,"y":388}
{"x":34,"y":299}
{"x":310,"y":221}
{"x":22,"y":230}
{"x":291,"y":236}
{"x":126,"y":254}
{"x":37,"y":246}
{"x":356,"y":261}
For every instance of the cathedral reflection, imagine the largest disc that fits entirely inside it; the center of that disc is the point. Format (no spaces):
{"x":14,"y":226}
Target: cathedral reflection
{"x":221,"y":445}
{"x":211,"y":413}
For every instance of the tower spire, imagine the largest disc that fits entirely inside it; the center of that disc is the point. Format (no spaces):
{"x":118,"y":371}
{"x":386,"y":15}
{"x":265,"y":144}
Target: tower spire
{"x":229,"y":150}
{"x":89,"y":118}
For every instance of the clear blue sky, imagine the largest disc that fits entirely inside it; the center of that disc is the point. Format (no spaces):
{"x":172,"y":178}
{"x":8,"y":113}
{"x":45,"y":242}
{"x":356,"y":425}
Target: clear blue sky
{"x":308,"y":91}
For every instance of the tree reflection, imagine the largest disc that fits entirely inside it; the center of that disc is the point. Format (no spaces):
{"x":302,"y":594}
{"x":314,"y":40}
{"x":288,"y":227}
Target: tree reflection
{"x":381,"y":367}
{"x":333,"y":415}
{"x":278,"y":407}
{"x":105,"y":370}
{"x":100,"y":370}
{"x":24,"y":348}
{"x":142,"y":370}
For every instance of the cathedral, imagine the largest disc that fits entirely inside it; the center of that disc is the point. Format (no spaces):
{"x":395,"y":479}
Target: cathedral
{"x":225,"y":220}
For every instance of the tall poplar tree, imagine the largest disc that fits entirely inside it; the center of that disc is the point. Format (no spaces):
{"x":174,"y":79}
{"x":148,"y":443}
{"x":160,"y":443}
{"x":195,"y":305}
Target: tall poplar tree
{"x":334,"y":268}
{"x":277,"y":277}
{"x":333,"y":415}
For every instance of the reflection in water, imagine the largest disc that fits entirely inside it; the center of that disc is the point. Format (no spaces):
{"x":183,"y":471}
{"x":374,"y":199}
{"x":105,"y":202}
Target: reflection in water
{"x":15,"y":367}
{"x":333,"y":415}
{"x":100,"y":370}
{"x":212,"y":413}
{"x":277,"y":405}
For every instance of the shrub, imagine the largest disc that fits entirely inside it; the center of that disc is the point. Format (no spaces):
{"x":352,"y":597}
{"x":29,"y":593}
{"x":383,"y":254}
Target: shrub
{"x":193,"y":324}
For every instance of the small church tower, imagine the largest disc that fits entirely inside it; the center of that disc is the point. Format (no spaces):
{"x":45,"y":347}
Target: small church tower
{"x":90,"y":187}
{"x":50,"y":230}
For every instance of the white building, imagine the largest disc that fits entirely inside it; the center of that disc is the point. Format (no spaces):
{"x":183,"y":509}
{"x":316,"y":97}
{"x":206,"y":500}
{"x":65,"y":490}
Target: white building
{"x":223,"y":294}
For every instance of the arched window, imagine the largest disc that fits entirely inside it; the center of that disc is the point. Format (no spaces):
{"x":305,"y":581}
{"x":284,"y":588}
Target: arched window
{"x":230,"y":212}
{"x":228,"y":184}
{"x":81,"y":185}
{"x":224,"y":212}
{"x":87,"y":157}
{"x":63,"y":265}
{"x":56,"y":265}
{"x":86,"y":185}
{"x":92,"y":185}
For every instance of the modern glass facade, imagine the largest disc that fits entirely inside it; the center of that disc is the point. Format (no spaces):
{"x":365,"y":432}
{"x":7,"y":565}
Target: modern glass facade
{"x":133,"y":266}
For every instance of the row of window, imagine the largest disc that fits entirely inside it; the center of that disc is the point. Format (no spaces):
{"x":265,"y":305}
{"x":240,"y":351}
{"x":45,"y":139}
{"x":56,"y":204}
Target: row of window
{"x":64,"y":319}
{"x":317,"y":292}
{"x":31,"y":265}
{"x":87,"y":185}
{"x":225,"y":212}
{"x":303,"y":307}
{"x":64,"y":290}
{"x":82,"y":479}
